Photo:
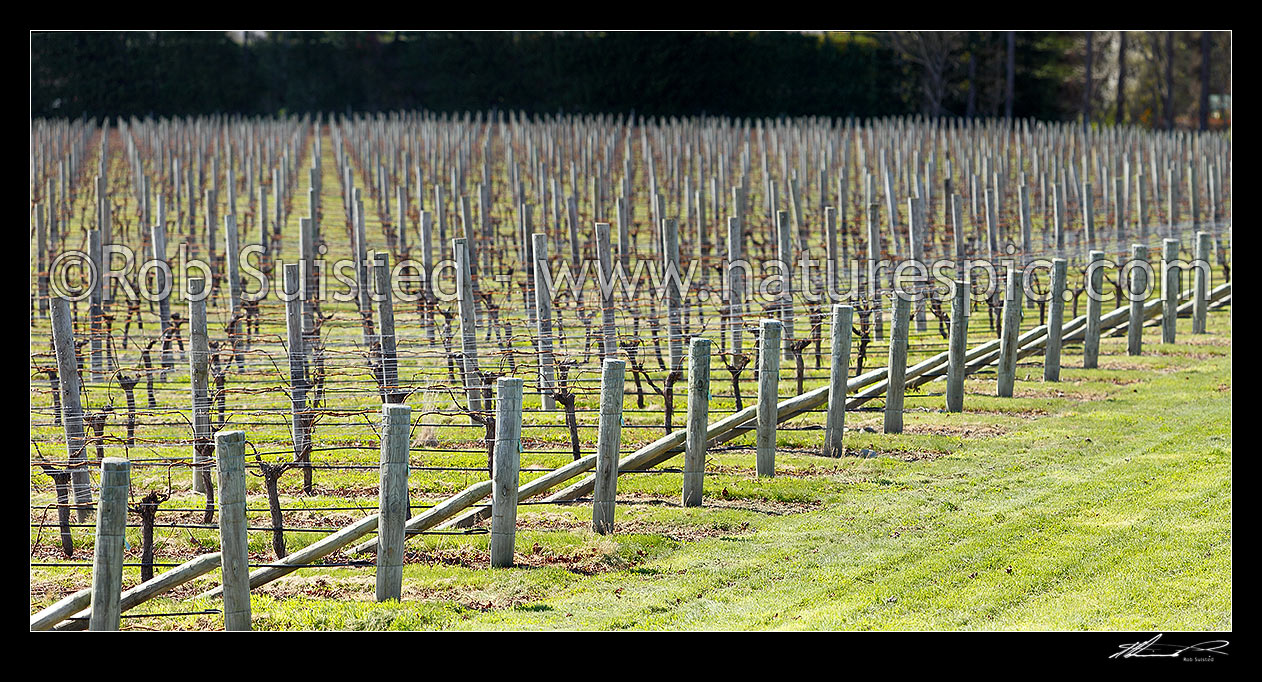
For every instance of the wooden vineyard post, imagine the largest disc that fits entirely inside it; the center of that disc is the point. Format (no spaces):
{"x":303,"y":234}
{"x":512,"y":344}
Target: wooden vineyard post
{"x":504,"y":471}
{"x":899,"y":337}
{"x":608,"y":331}
{"x":734,"y":287}
{"x":96,"y":310}
{"x":768,"y":383}
{"x":71,"y":407}
{"x":608,"y":442}
{"x":468,"y":325}
{"x":1136,"y":295}
{"x":233,"y":538}
{"x":159,"y":245}
{"x":199,"y":376}
{"x":111,"y":529}
{"x":957,"y":346}
{"x":698,"y":415}
{"x":297,"y":372}
{"x":1095,"y":295}
{"x":1200,"y":292}
{"x":1055,"y":320}
{"x":1007,"y":369}
{"x":838,"y":375}
{"x":1169,"y":289}
{"x":389,"y":356}
{"x":543,"y":304}
{"x":393,"y":493}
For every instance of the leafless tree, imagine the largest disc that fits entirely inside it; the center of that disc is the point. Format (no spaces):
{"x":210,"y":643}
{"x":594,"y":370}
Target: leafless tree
{"x":933,"y":51}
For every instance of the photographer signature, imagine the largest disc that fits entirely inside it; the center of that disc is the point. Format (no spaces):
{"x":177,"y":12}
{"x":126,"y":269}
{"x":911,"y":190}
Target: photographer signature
{"x":1153,"y":649}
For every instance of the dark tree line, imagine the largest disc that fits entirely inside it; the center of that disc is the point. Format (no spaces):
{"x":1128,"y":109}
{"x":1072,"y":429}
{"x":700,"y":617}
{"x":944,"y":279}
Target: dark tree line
{"x":661,"y":73}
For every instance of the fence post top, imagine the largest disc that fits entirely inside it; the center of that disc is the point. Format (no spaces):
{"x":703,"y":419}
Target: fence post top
{"x":509,"y":382}
{"x":115,"y":464}
{"x":843,"y":308}
{"x":700,"y":342}
{"x":615,"y":364}
{"x":229,"y":436}
{"x":396,"y":409}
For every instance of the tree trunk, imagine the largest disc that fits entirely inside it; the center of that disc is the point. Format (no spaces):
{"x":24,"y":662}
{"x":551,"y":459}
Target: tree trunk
{"x":1086,"y":83}
{"x":1012,"y":73}
{"x":1205,"y":52}
{"x":1119,"y":118}
{"x":1169,"y":80}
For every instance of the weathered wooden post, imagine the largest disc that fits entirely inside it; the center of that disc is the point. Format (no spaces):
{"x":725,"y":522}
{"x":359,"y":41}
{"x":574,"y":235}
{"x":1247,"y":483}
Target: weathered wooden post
{"x":96,"y":310}
{"x":298,"y":379}
{"x":1170,"y":275}
{"x":1007,"y":369}
{"x":393,"y":496}
{"x":233,"y":255}
{"x":390,"y":392}
{"x":158,"y":244}
{"x":71,"y":407}
{"x":671,"y":276}
{"x":1200,"y":287}
{"x":698,"y":415}
{"x":895,"y":383}
{"x":1095,"y":296}
{"x":504,"y":472}
{"x":784,"y":254}
{"x":1136,"y":294}
{"x":1055,"y":320}
{"x":233,"y":538}
{"x":199,"y":375}
{"x":734,"y":288}
{"x":957,"y":345}
{"x":608,"y":442}
{"x":838,"y":376}
{"x":543,"y":304}
{"x":768,"y":396}
{"x":111,"y":530}
{"x":468,"y":325}
{"x":604,"y":255}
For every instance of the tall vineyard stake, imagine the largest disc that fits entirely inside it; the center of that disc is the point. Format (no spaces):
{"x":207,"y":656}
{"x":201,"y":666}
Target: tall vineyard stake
{"x":393,"y":493}
{"x":543,"y":301}
{"x":897,"y":365}
{"x":608,"y":441}
{"x":468,"y":325}
{"x":768,"y":382}
{"x":233,"y":538}
{"x":1095,"y":297}
{"x":199,"y":376}
{"x":504,"y":476}
{"x":389,"y":357}
{"x":1200,"y":294}
{"x":838,"y":375}
{"x":298,"y":379}
{"x":609,"y":344}
{"x":1055,"y":318}
{"x":71,"y":407}
{"x":1169,"y":289}
{"x":111,"y":536}
{"x":1137,"y":294}
{"x":698,"y":415}
{"x":957,"y":344}
{"x":1007,"y":369}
